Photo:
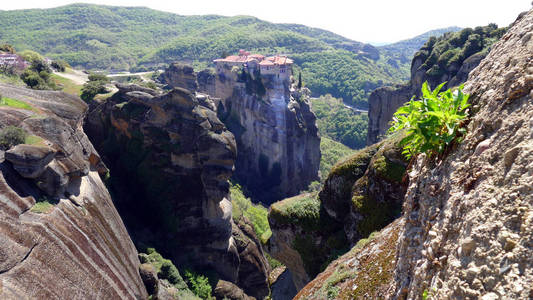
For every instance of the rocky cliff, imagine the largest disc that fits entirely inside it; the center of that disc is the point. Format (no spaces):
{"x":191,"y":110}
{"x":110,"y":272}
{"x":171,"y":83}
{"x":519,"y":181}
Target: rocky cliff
{"x":361,"y":195}
{"x":465,"y":232}
{"x":60,"y":234}
{"x":274,"y":127}
{"x":449,"y":58}
{"x":170,"y":159}
{"x":468,"y":231}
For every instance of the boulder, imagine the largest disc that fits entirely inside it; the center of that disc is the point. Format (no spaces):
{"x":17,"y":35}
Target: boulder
{"x":29,"y":160}
{"x":149,"y":278}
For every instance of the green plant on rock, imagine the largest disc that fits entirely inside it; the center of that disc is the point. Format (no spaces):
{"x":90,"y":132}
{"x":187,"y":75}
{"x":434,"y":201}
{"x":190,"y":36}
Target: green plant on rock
{"x":433,"y":122}
{"x":11,"y":136}
{"x":199,"y":284}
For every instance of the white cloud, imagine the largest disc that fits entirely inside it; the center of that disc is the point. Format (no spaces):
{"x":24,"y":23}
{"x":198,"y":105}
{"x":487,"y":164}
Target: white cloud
{"x":367,"y":21}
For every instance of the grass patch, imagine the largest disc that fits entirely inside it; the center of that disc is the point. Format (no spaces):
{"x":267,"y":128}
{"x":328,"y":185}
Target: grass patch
{"x":256,"y":213}
{"x":11,"y":79}
{"x":68,"y":86}
{"x":43,"y":205}
{"x":302,"y":210}
{"x":34,"y":140}
{"x":5,"y":101}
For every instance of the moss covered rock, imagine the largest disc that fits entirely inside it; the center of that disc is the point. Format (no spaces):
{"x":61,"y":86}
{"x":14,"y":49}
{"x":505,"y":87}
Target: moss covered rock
{"x":362,"y":194}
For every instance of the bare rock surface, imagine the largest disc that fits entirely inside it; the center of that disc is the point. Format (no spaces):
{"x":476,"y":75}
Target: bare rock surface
{"x":275,"y":130}
{"x":75,"y":246}
{"x":362,"y":194}
{"x":170,"y":159}
{"x":468,"y":232}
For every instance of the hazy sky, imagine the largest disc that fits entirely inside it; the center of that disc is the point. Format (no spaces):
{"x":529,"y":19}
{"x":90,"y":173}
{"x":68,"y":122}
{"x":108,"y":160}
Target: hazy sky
{"x":366,"y":21}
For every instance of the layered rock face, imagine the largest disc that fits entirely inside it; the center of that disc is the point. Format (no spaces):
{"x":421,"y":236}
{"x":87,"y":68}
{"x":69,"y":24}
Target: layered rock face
{"x":468,"y":231}
{"x":60,"y":234}
{"x":275,"y":130}
{"x":170,"y":159}
{"x":434,"y":67}
{"x":361,"y":195}
{"x":277,"y":138}
{"x":364,"y":272}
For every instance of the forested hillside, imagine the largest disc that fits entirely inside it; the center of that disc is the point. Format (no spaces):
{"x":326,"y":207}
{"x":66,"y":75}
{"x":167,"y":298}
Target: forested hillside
{"x":402,"y":52}
{"x":127,"y":38}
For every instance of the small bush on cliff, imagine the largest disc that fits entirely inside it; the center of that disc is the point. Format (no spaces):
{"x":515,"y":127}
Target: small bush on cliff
{"x":432,"y":123}
{"x":199,"y":285}
{"x":95,"y":86}
{"x":11,"y":136}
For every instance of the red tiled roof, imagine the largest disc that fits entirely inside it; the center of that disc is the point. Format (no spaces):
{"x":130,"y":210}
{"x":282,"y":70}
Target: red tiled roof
{"x":280,"y":60}
{"x":257,"y":56}
{"x":245,"y":56}
{"x":266,"y":63}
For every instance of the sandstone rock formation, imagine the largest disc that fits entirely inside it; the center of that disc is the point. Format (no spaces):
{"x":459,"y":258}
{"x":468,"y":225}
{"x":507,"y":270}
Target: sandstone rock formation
{"x":276,"y":134}
{"x":361,"y":195}
{"x":466,"y":227}
{"x":432,"y":66}
{"x":179,"y":75}
{"x":60,"y":234}
{"x":364,"y":272}
{"x":170,"y":159}
{"x":468,"y":231}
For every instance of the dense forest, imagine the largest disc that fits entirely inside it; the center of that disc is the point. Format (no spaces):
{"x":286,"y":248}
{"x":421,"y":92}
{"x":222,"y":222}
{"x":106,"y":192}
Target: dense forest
{"x":445,"y":54}
{"x":136,"y":38}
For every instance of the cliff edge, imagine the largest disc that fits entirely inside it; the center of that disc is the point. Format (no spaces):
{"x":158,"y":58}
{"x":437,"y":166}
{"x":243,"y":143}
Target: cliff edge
{"x":60,"y":234}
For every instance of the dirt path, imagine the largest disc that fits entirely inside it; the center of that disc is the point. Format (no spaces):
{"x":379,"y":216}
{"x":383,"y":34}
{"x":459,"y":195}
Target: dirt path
{"x":77,"y":76}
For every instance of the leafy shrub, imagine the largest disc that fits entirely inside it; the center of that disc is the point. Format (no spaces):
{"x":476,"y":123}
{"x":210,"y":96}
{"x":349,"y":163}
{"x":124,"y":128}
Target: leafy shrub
{"x":59,"y":65}
{"x":11,"y":136}
{"x":257,"y":214}
{"x":91,"y":89}
{"x":7,"y":48}
{"x":169,"y":272}
{"x":199,"y":284}
{"x":433,"y":122}
{"x":33,"y":80}
{"x":98,"y":77}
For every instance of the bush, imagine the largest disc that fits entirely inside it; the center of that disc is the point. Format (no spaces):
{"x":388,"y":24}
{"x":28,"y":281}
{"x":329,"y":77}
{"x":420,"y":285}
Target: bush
{"x":11,"y":136}
{"x":98,"y":77}
{"x":432,"y":123}
{"x":199,"y":285}
{"x":33,"y":80}
{"x":59,"y":65}
{"x":170,"y":272}
{"x":91,"y":89}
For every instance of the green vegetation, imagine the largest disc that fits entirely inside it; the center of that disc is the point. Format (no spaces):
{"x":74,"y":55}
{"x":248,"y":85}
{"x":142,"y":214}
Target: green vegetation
{"x":256,"y":213}
{"x":96,"y":85}
{"x":444,"y":55}
{"x":66,"y":85}
{"x":346,"y":75}
{"x":43,"y":205}
{"x":400,"y":53}
{"x":60,"y":65}
{"x":5,"y":101}
{"x":302,"y":210}
{"x":199,"y":285}
{"x":11,"y":136}
{"x":432,"y":123}
{"x":340,"y":123}
{"x":137,"y":39}
{"x":332,"y":152}
{"x":166,"y":270}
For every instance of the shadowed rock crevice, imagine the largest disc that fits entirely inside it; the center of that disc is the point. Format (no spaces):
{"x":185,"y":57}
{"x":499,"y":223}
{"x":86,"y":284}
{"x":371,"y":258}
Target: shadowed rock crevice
{"x":170,"y":159}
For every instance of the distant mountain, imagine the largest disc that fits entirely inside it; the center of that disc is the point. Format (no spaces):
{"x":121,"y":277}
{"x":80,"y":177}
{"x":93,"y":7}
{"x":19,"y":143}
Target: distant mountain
{"x":402,"y":52}
{"x":122,"y":38}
